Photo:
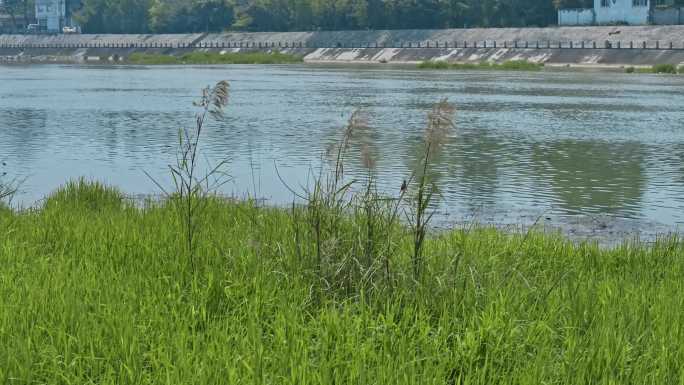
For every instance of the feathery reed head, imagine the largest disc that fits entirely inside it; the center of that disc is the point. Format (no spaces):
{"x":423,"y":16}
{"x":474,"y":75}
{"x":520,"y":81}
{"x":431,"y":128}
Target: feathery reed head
{"x":367,"y":158}
{"x":440,"y":122}
{"x":357,"y":127}
{"x":214,"y":99}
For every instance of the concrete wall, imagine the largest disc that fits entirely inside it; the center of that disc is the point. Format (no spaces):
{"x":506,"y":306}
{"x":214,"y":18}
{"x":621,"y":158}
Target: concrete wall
{"x":558,"y":57}
{"x":606,"y":58}
{"x":622,"y":11}
{"x":359,"y":46}
{"x":625,"y":34}
{"x":576,"y":17}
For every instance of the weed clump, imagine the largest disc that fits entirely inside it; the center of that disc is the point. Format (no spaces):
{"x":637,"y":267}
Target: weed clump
{"x":215,"y":58}
{"x":85,"y":195}
{"x":434,"y":65}
{"x":193,"y":189}
{"x":150,"y":59}
{"x":511,"y":65}
{"x":520,"y":65}
{"x":664,"y":69}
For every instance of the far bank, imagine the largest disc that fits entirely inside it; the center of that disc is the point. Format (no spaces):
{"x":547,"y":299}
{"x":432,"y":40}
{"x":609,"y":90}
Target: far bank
{"x":597,"y":47}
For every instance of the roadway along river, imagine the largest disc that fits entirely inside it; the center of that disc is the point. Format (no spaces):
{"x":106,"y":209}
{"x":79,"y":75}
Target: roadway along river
{"x":594,"y":154}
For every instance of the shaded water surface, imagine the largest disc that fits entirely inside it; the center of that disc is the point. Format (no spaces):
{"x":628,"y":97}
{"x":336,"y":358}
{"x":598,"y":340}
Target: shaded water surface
{"x":590,"y":153}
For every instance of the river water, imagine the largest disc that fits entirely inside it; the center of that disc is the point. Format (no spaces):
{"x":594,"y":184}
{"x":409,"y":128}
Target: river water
{"x":594,"y":154}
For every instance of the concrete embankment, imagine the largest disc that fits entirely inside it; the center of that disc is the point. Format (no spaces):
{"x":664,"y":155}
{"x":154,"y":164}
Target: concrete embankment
{"x":588,"y":46}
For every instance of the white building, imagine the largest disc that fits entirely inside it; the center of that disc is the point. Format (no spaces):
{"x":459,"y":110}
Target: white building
{"x":632,"y":12}
{"x":51,"y":15}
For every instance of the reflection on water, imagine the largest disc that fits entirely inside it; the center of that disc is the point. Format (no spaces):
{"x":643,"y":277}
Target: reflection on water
{"x":525,"y":143}
{"x":595,"y":177}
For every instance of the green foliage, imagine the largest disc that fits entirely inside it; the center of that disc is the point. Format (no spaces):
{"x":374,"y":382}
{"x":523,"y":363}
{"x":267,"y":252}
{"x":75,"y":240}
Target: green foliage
{"x":5,"y":211}
{"x":656,"y":69}
{"x":240,"y":58}
{"x":150,"y":59}
{"x":85,"y":195}
{"x":17,"y":10}
{"x":215,"y":58}
{"x":644,"y":70}
{"x":114,"y":16}
{"x":106,"y":297}
{"x":175,"y":16}
{"x":168,"y":16}
{"x":664,"y":69}
{"x":519,"y":65}
{"x":434,"y":65}
{"x":514,"y":65}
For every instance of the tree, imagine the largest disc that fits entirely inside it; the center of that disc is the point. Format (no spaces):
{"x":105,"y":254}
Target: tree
{"x":168,"y":16}
{"x":114,"y":16}
{"x":560,"y":4}
{"x":174,"y":16}
{"x":14,"y":8}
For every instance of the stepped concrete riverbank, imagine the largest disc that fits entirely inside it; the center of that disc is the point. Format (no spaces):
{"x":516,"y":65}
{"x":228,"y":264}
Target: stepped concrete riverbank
{"x":581,"y":46}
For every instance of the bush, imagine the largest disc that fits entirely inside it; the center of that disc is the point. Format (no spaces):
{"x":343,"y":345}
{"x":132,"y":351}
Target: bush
{"x":664,"y":69}
{"x":630,"y":70}
{"x":434,"y":65}
{"x":513,"y":65}
{"x":519,"y":65}
{"x":239,"y":58}
{"x":215,"y":58}
{"x":149,"y":59}
{"x":470,"y":66}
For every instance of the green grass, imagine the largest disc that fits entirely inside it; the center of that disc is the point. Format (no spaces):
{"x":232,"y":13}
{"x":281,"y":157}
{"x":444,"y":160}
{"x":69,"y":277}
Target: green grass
{"x":434,"y":65}
{"x":95,"y":290}
{"x":215,"y":58}
{"x":150,"y":59}
{"x":513,"y":65}
{"x":664,"y":69}
{"x":656,"y":69}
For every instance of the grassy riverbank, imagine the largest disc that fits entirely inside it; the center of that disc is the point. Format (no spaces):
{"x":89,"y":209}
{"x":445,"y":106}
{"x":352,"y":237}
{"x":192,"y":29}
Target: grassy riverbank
{"x":514,"y":65}
{"x":657,"y":69}
{"x":95,"y":290}
{"x":215,"y":58}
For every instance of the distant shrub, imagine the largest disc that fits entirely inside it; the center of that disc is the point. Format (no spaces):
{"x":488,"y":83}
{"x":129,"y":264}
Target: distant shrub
{"x":434,"y":65}
{"x":630,"y":70}
{"x":520,"y":65}
{"x":664,"y":69}
{"x":239,"y":58}
{"x":215,"y":58}
{"x":513,"y":65}
{"x":470,"y":66}
{"x":150,"y":59}
{"x":680,"y":69}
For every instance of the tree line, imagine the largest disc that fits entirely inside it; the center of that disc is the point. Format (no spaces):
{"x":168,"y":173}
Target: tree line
{"x":173,"y":16}
{"x":179,"y":16}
